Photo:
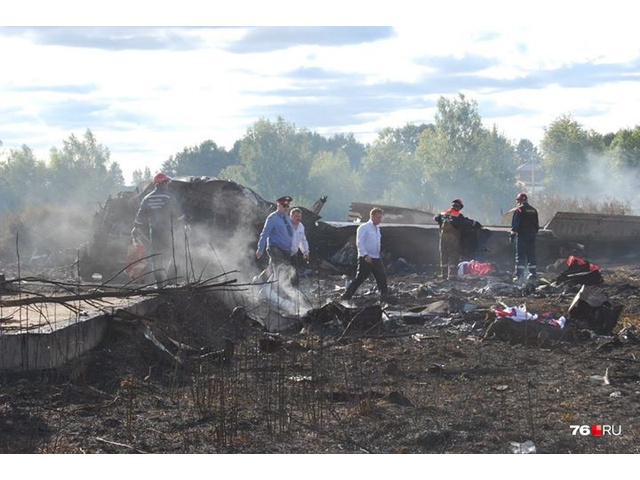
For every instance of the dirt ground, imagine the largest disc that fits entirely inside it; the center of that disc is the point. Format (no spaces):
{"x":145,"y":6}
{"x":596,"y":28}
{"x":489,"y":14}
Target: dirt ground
{"x":406,"y":385}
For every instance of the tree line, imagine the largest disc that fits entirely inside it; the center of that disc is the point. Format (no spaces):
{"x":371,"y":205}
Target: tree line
{"x":416,"y":166}
{"x":79,"y":172}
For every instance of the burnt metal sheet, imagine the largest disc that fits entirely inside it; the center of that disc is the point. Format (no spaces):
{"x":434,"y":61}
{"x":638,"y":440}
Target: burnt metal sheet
{"x":587,"y":227}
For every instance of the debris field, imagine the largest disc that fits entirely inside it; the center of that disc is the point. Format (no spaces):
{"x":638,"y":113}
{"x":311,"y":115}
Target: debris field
{"x":428,"y":374}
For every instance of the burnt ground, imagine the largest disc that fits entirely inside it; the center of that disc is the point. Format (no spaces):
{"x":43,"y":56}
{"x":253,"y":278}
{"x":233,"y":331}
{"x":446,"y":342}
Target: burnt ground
{"x":417,"y":385}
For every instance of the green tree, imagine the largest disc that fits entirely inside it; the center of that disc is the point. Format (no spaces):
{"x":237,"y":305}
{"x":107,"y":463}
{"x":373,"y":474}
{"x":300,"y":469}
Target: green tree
{"x":139,"y":176}
{"x":23,"y":179}
{"x":205,"y":159}
{"x":450,"y":151}
{"x":527,"y":152}
{"x":275,"y":159}
{"x":566,"y":147}
{"x":331,"y":175}
{"x":388,"y":171}
{"x":407,"y":137}
{"x":461,"y":158}
{"x":625,"y":148}
{"x":347,"y":143}
{"x":495,"y":172}
{"x":115,"y":175}
{"x":81,"y":171}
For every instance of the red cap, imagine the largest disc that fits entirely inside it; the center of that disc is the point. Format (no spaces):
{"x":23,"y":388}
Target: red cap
{"x":161,"y":178}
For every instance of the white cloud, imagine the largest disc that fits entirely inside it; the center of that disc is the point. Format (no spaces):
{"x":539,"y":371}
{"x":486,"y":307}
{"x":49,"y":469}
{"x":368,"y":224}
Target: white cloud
{"x":525,"y":66}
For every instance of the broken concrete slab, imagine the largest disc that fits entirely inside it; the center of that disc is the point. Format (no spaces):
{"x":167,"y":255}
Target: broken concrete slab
{"x":59,"y":340}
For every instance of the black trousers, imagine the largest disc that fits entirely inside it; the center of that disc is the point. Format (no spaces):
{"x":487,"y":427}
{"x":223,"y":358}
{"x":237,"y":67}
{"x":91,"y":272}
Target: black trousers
{"x":297,"y":262}
{"x":278,"y":260}
{"x":525,"y":253}
{"x":364,"y":270}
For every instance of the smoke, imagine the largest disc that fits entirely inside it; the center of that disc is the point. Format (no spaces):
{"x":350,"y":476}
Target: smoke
{"x":601,"y":183}
{"x":230,"y":255}
{"x":598,"y":185}
{"x":45,"y":235}
{"x":211,"y":254}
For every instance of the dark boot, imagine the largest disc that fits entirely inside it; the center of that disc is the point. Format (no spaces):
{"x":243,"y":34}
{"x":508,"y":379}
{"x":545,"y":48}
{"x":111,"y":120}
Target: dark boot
{"x":444,"y":273}
{"x":519,"y":274}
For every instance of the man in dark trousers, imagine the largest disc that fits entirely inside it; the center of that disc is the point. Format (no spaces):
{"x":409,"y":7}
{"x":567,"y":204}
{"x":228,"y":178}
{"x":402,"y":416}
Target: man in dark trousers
{"x":369,"y":241}
{"x":276,"y":239}
{"x":452,"y":224}
{"x":524,"y":228}
{"x":158,"y":214}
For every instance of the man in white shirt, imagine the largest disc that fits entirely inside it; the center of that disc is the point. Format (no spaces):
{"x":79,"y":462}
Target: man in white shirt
{"x":299,"y":240}
{"x":299,"y":243}
{"x":368,"y":241}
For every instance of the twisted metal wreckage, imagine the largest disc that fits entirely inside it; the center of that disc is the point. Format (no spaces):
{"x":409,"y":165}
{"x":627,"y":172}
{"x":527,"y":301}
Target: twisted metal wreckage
{"x":226,"y":210}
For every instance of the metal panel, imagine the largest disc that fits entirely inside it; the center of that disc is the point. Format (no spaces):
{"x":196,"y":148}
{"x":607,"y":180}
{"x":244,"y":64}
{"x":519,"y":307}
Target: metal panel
{"x":585,"y":227}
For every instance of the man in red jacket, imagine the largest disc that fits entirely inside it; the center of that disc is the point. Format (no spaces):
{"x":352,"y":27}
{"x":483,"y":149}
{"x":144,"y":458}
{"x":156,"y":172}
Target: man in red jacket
{"x":451,"y":223}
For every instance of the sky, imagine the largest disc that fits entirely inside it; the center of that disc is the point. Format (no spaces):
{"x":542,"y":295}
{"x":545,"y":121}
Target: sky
{"x":147,"y":92}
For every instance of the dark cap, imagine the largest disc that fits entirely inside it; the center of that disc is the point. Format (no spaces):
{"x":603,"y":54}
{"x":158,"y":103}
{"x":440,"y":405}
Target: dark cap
{"x":284,"y":200}
{"x":457,"y":202}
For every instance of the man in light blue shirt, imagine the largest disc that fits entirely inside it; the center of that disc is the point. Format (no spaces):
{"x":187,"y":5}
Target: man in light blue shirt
{"x":276,"y":238}
{"x":368,"y":241}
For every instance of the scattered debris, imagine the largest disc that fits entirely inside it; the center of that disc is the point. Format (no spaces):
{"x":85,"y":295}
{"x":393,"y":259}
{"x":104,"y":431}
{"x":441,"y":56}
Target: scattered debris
{"x":601,"y":379}
{"x":579,"y":272}
{"x":473,"y":267}
{"x":525,"y":447}
{"x":591,"y":310}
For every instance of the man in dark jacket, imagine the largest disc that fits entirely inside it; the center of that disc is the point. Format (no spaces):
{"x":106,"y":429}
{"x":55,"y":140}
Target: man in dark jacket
{"x":452,"y":224}
{"x":524,"y":228}
{"x":158,"y":215}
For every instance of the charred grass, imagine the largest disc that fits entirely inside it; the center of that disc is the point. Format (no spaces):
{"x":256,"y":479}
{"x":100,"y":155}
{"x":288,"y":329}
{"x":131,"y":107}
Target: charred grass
{"x":419,"y":390}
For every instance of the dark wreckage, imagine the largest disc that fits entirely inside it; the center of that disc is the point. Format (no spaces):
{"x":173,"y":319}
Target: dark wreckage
{"x":230,"y":215}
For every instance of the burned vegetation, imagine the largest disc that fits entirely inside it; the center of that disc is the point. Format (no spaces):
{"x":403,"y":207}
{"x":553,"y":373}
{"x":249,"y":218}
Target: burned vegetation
{"x":215,"y":366}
